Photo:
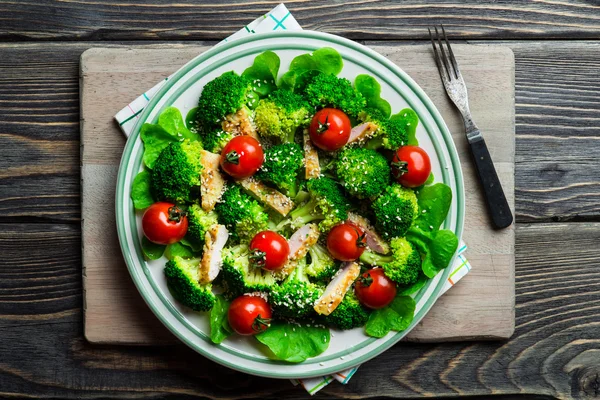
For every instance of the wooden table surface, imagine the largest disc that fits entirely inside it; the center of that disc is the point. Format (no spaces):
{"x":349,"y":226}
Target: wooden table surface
{"x":555,"y":351}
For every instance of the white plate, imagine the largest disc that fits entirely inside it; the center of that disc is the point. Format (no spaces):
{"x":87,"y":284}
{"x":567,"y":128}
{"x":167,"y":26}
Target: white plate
{"x":347,"y":348}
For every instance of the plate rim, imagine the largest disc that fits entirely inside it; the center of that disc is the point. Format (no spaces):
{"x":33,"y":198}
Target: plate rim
{"x":369,"y":53}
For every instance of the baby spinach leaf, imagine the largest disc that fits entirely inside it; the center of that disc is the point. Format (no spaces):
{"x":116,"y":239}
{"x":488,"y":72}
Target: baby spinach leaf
{"x":140,"y":191}
{"x":155,"y":140}
{"x":219,"y":326}
{"x":442,"y":248}
{"x":371,"y":90}
{"x":152,"y":251}
{"x":263,"y":73}
{"x":411,"y":120}
{"x":395,"y":317}
{"x":191,"y":119}
{"x":295,"y":343}
{"x":172,"y":121}
{"x":178,"y":250}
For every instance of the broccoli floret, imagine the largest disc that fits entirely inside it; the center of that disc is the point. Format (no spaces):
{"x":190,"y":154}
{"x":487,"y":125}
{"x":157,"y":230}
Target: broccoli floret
{"x":215,"y":139}
{"x":199,"y":222}
{"x":402,"y":266}
{"x":176,"y":172}
{"x":349,"y":314}
{"x":322,"y":266}
{"x":395,"y":210}
{"x":241,"y":214}
{"x":326,"y":204}
{"x":182,"y":279}
{"x":224,"y":95}
{"x":238,"y":276}
{"x":363,"y":172}
{"x":326,"y":90}
{"x":391,"y":134}
{"x":296,"y":296}
{"x":280,"y":115}
{"x":281,"y":166}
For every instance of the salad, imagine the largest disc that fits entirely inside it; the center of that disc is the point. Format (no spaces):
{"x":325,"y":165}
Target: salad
{"x":287,"y":206}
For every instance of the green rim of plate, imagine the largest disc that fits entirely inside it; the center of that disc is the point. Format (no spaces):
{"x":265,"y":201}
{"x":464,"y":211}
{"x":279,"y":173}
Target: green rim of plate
{"x":125,"y":166}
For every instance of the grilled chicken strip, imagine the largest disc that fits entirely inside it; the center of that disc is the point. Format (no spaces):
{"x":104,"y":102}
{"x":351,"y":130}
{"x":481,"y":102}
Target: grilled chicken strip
{"x":311,"y":158}
{"x":212,"y":180}
{"x":211,"y":263}
{"x":273,"y":198}
{"x":336,"y":290}
{"x":374,"y":241}
{"x":362,"y":132}
{"x":240,"y":123}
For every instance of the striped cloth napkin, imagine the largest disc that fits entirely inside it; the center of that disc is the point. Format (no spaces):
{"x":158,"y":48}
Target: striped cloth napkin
{"x":278,"y":18}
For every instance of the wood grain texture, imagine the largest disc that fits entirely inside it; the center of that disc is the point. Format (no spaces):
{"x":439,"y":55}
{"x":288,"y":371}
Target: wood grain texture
{"x":557,"y":110}
{"x":114,"y":313}
{"x":374,"y":19}
{"x":553,"y":353}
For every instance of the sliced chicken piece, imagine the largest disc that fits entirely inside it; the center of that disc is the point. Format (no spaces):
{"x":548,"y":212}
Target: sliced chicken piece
{"x":336,"y":290}
{"x":273,"y":198}
{"x":212,"y":180}
{"x":311,"y":158}
{"x":240,"y":123}
{"x":287,"y":269}
{"x":362,"y":132}
{"x":211,"y":263}
{"x":374,"y":241}
{"x":302,"y":240}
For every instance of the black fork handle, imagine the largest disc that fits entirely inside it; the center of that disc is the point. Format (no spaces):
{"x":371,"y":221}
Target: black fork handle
{"x":494,"y":195}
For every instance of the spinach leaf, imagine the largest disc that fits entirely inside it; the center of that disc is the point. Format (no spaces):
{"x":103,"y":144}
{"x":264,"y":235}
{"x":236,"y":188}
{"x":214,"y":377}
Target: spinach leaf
{"x":371,"y":90}
{"x":140,"y":191}
{"x":178,"y":250}
{"x":219,"y":326}
{"x":263,"y":73}
{"x":441,"y":250}
{"x":152,"y":251}
{"x":295,"y":343}
{"x":155,"y":140}
{"x":190,"y":243}
{"x":172,"y":121}
{"x":395,"y":317}
{"x":410,"y":120}
{"x":191,"y":120}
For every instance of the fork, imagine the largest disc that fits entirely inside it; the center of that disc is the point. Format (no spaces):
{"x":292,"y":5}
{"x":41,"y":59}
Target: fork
{"x":457,"y":91}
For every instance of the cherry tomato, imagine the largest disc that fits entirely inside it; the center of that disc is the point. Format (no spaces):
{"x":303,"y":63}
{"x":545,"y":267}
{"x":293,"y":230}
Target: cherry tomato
{"x":411,"y":166}
{"x":269,"y":250}
{"x":374,"y":289}
{"x":164,"y":223}
{"x":249,"y":315}
{"x":242,"y":156}
{"x":330,"y":129}
{"x":346,"y":242}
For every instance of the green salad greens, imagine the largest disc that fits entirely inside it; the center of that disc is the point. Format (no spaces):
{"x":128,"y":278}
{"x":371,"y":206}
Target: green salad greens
{"x":301,"y":191}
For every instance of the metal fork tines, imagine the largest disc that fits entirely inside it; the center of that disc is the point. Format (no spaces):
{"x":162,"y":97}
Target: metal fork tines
{"x":457,"y":91}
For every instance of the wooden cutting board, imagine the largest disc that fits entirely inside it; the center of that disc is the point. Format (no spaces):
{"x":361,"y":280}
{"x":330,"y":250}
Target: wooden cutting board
{"x":480,"y":306}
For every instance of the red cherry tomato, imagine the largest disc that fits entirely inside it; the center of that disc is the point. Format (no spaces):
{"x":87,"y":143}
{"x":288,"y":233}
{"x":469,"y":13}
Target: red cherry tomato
{"x":374,"y":289}
{"x":164,"y":223}
{"x":269,"y":250}
{"x":330,"y":129}
{"x":346,"y":242}
{"x":242,"y":156}
{"x":249,"y":315}
{"x":411,"y":166}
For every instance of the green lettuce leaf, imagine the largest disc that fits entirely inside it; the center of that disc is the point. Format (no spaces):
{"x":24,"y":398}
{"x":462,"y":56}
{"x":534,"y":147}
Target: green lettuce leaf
{"x":219,"y":326}
{"x":152,"y":251}
{"x":325,"y":60}
{"x":397,"y":316}
{"x":155,"y":140}
{"x":295,"y":343}
{"x":140,"y":191}
{"x":172,"y":121}
{"x":414,"y":287}
{"x":371,"y":90}
{"x":411,"y":121}
{"x":264,"y":71}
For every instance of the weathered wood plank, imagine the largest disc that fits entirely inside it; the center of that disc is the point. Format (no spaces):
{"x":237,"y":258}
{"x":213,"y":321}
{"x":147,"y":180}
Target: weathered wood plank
{"x":557,"y":152}
{"x":376,"y":19}
{"x":553,"y":352}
